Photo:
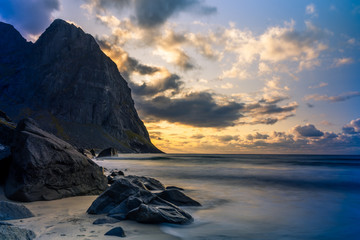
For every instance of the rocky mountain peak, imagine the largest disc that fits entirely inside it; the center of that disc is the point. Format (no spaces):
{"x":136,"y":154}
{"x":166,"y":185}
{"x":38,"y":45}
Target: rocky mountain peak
{"x":72,"y":89}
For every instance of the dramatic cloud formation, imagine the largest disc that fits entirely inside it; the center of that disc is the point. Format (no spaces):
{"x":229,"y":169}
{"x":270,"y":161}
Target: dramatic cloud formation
{"x":172,"y":82}
{"x":30,"y":17}
{"x":339,"y":98}
{"x":353,"y":127}
{"x":151,"y":14}
{"x":196,"y":109}
{"x":308,"y":130}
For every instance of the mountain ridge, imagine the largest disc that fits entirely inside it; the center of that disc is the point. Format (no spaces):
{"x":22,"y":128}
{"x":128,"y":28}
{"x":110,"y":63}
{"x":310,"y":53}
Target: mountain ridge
{"x":71,"y":88}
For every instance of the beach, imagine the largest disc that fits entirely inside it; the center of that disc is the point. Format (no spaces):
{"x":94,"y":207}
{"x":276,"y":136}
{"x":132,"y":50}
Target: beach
{"x":67,"y":219}
{"x":243,"y":197}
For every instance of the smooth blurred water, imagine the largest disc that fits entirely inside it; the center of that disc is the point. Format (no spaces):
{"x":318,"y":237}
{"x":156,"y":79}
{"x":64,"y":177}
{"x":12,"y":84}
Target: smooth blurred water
{"x":265,"y":197}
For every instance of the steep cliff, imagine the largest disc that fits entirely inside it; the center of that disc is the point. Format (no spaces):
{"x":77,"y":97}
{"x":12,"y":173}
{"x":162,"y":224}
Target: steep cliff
{"x":70,"y":87}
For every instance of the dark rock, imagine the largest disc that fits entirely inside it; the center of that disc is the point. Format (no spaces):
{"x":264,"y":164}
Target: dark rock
{"x":109,"y":152}
{"x":6,"y":223}
{"x":117,"y":173}
{"x":176,"y":188}
{"x":5,"y":161}
{"x":132,"y":202}
{"x":7,"y":130}
{"x":92,"y":151}
{"x":159,"y":214}
{"x":178,"y":198}
{"x":105,"y":220}
{"x":117,"y":232}
{"x":5,"y":117}
{"x":45,"y":167}
{"x":85,"y":152}
{"x":129,"y":199}
{"x":147,"y":183}
{"x":70,"y":87}
{"x":14,"y":233}
{"x":11,"y":211}
{"x":113,"y":196}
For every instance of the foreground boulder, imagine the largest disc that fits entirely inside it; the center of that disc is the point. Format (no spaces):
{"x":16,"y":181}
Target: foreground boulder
{"x":9,"y":232}
{"x":45,"y":167}
{"x":113,"y":196}
{"x":11,"y":211}
{"x":128,"y":200}
{"x":178,"y":198}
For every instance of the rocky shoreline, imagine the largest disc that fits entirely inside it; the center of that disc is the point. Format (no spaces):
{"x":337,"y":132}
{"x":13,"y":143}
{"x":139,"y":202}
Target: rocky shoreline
{"x":38,"y":166}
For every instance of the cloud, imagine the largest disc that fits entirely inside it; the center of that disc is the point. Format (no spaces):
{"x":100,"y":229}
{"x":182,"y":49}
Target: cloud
{"x":150,"y":14}
{"x":339,"y":98}
{"x":353,"y":127}
{"x":257,"y":136}
{"x":170,"y":82}
{"x":169,"y":47}
{"x":196,"y":109}
{"x":127,"y":65}
{"x":197,"y":136}
{"x":320,"y":85}
{"x":228,"y":138}
{"x":31,"y":17}
{"x":310,"y":9}
{"x":308,"y":130}
{"x":276,"y":45}
{"x":342,"y":61}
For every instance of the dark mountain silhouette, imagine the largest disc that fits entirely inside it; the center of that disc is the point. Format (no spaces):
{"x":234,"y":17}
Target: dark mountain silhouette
{"x":70,"y":87}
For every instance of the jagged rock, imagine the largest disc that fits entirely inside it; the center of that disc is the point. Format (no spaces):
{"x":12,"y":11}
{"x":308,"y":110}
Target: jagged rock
{"x":70,"y":87}
{"x":105,"y":220}
{"x":109,"y":152}
{"x":117,"y":232}
{"x":132,"y":202}
{"x":147,"y":183}
{"x":159,"y":214}
{"x":14,"y":233}
{"x":178,"y":198}
{"x":113,"y":196}
{"x":127,"y":200}
{"x":11,"y":211}
{"x":45,"y":167}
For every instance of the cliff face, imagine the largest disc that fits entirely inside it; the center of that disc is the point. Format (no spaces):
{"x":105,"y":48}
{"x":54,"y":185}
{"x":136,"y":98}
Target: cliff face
{"x":71,"y":88}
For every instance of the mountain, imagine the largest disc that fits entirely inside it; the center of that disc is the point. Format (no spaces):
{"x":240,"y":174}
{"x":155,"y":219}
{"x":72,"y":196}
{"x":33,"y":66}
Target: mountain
{"x":70,"y":87}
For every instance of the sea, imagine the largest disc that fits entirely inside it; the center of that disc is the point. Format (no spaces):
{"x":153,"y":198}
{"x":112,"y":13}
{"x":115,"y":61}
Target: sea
{"x":260,"y":197}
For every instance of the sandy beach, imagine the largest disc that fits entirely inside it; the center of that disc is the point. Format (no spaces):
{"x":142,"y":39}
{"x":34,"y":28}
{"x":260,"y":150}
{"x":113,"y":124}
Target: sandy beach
{"x":67,"y":219}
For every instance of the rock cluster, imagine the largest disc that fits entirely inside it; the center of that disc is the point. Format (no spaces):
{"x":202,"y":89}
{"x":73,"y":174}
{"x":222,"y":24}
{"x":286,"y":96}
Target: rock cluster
{"x":130,"y":198}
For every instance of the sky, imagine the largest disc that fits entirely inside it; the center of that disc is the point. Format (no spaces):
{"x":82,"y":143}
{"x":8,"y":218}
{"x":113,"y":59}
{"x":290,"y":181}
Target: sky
{"x":226,"y":76}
